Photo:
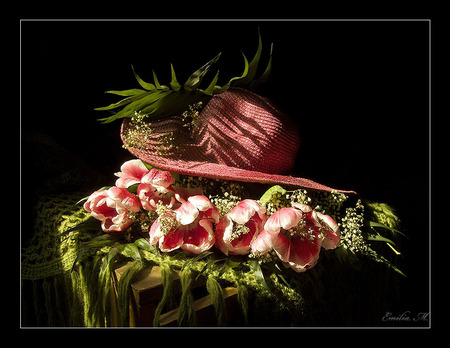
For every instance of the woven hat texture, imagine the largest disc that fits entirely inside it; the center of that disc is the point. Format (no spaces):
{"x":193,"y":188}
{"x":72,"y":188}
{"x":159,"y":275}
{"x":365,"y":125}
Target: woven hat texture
{"x":238,"y":136}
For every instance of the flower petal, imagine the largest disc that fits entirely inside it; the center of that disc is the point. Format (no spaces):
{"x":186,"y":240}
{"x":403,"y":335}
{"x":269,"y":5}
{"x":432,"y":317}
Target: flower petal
{"x":303,"y":207}
{"x":263,"y":243}
{"x":284,"y":218}
{"x":304,"y":252}
{"x":201,"y":202}
{"x":171,"y":241}
{"x":124,"y":198}
{"x":186,"y":213}
{"x":131,"y":172}
{"x":158,"y":177}
{"x":199,"y":237}
{"x":182,"y":194}
{"x":206,"y":208}
{"x":282,"y":246}
{"x":225,"y":226}
{"x":155,"y":232}
{"x":244,"y":211}
{"x":332,"y":231}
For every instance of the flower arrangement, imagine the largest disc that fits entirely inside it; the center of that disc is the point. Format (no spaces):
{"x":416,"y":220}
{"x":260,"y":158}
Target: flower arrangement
{"x":205,"y":197}
{"x":176,"y":213}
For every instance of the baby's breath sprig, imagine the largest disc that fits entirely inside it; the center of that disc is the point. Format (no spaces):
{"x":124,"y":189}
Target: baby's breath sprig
{"x":167,"y":144}
{"x":299,"y":196}
{"x":268,"y":257}
{"x":330,"y":203}
{"x":221,"y":191}
{"x":166,"y":218}
{"x":191,"y":117}
{"x":136,"y":135}
{"x":142,"y":220}
{"x":351,"y":229}
{"x":224,"y":203}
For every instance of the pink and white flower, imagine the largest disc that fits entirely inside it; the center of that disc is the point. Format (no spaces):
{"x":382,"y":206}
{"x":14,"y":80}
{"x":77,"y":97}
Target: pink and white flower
{"x":188,"y":227}
{"x":156,"y":186}
{"x":112,"y":208}
{"x":131,"y":172}
{"x":239,"y":227}
{"x":296,"y":235}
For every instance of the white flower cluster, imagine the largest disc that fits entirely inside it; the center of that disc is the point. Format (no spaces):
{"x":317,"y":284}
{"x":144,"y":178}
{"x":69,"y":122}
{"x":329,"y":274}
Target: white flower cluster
{"x":350,"y":226}
{"x":331,"y":203}
{"x":280,"y":200}
{"x":225,"y":195}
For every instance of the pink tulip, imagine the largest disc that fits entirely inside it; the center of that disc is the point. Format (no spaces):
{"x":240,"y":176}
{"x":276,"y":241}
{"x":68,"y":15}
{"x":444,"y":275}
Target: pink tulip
{"x":131,"y":172}
{"x":156,"y":186}
{"x":150,"y":196}
{"x":239,"y":227}
{"x":112,"y":208}
{"x":296,"y":235}
{"x":188,"y":227}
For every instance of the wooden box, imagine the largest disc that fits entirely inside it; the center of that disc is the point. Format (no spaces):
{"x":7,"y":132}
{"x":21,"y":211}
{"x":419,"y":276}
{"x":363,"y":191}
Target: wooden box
{"x":147,"y":291}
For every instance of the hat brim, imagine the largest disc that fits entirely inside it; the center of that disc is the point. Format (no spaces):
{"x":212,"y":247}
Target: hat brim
{"x":224,"y":172}
{"x":218,"y":171}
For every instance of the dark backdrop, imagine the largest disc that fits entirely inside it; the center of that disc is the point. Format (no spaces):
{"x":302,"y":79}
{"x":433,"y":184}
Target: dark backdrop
{"x":358,"y":91}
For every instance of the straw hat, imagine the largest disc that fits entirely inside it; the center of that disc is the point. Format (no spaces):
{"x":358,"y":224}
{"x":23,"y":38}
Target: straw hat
{"x":237,"y":136}
{"x":223,"y":132}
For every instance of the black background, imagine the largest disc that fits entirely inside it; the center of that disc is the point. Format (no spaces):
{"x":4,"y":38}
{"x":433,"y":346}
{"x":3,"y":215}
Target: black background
{"x":358,"y":90}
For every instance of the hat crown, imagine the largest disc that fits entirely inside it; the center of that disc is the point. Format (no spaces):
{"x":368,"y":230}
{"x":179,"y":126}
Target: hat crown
{"x":241,"y":129}
{"x":236,"y":129}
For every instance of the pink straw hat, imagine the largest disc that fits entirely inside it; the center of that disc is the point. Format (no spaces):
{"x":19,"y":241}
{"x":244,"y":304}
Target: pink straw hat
{"x":238,"y":136}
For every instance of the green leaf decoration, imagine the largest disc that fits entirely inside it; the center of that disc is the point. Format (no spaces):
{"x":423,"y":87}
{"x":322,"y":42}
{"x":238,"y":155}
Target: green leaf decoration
{"x":173,"y":103}
{"x":174,"y":83}
{"x":274,"y":190}
{"x":379,"y":258}
{"x":244,"y":74}
{"x":128,"y":92}
{"x":210,"y":89}
{"x":379,"y":238}
{"x":263,"y":78}
{"x":197,"y":76}
{"x":252,"y":67}
{"x":158,"y":86}
{"x":121,"y":103}
{"x":256,"y":268}
{"x":374,"y":224}
{"x":145,"y":85}
{"x":157,"y":101}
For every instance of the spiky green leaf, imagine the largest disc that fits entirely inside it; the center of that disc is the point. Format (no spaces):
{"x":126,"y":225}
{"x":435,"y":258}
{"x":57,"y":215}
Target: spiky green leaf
{"x":197,"y":76}
{"x":210,"y":89}
{"x":237,"y":78}
{"x":173,"y":103}
{"x":256,"y":268}
{"x":137,"y":105}
{"x":121,"y":103}
{"x":379,"y":258}
{"x":379,"y":238}
{"x":128,"y":92}
{"x":252,"y":67}
{"x":374,"y":225}
{"x":157,"y":84}
{"x":174,"y":83}
{"x":145,"y":85}
{"x":263,"y":78}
